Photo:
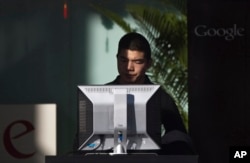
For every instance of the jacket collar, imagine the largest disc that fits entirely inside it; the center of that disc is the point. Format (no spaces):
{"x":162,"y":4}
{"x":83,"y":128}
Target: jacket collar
{"x":116,"y":81}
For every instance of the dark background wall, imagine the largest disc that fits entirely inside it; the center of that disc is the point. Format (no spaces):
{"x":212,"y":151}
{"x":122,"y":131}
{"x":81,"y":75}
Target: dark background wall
{"x":40,"y":56}
{"x":219,"y":73}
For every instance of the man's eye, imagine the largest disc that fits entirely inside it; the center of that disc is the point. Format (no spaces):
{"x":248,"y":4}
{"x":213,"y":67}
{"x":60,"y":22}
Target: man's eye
{"x":139,"y":61}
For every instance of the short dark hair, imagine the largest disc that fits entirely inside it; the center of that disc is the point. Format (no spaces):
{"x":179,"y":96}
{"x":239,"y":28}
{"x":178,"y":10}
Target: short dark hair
{"x":135,"y":41}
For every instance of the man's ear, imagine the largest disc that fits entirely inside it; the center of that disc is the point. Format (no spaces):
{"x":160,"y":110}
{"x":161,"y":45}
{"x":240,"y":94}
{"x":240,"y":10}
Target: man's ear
{"x":149,"y":64}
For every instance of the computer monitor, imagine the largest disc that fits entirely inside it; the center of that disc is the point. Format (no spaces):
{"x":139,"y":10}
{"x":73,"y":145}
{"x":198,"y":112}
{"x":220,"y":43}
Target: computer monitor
{"x":121,"y":118}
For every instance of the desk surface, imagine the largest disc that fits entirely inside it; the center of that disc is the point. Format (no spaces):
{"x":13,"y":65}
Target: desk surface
{"x":135,"y":158}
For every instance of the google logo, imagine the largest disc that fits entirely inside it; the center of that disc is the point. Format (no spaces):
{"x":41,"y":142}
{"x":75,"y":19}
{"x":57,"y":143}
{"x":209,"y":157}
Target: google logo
{"x":227,"y":33}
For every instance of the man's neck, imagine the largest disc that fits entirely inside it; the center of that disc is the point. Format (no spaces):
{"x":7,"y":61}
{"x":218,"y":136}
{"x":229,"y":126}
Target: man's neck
{"x":140,"y":81}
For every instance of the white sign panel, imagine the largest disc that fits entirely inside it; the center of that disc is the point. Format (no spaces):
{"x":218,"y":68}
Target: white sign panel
{"x":27,"y":133}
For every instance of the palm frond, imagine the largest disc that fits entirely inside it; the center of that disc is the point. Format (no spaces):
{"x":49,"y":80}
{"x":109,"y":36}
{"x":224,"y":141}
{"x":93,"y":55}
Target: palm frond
{"x":113,"y":16}
{"x":179,"y":5}
{"x":167,"y":34}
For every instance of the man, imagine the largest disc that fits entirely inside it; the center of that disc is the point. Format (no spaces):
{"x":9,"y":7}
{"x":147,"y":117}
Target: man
{"x":133,"y":60}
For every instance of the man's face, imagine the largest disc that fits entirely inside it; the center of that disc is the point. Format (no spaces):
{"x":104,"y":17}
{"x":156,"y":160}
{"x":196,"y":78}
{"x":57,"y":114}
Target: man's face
{"x":132,"y":66}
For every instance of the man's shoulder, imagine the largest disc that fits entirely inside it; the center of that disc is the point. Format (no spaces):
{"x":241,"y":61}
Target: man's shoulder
{"x":112,"y":83}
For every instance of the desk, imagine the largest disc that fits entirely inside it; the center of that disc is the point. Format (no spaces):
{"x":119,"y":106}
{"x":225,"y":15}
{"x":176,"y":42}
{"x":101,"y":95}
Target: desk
{"x":135,"y":158}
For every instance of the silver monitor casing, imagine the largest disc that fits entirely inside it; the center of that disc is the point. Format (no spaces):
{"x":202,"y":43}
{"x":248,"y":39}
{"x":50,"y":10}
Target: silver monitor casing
{"x":117,"y":111}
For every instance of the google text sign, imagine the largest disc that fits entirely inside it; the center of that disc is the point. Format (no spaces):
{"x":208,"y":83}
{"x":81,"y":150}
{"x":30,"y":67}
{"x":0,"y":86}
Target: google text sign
{"x":228,"y":33}
{"x":27,"y":132}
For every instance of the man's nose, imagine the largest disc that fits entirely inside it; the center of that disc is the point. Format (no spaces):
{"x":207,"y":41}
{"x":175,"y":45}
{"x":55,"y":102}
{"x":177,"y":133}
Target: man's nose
{"x":130,"y":65}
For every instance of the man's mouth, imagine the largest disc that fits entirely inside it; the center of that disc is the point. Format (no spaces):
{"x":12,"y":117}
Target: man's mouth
{"x":130,"y":75}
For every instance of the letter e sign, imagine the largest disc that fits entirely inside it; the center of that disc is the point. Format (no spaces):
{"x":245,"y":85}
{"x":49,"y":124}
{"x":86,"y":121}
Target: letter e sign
{"x":10,"y":148}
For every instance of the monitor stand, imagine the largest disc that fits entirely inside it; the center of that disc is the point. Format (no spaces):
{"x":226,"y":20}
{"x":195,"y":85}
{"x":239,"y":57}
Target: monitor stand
{"x":120,"y":121}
